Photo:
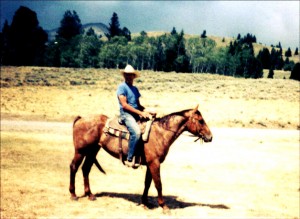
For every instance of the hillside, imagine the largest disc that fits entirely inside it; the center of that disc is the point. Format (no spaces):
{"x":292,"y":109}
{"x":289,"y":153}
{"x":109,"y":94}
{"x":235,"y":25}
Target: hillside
{"x":219,"y":41}
{"x":102,"y":29}
{"x":99,"y":28}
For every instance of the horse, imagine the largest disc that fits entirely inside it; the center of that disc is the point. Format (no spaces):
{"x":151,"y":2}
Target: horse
{"x":89,"y":137}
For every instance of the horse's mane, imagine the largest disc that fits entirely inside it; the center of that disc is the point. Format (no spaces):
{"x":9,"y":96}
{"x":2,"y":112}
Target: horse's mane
{"x":164,"y":119}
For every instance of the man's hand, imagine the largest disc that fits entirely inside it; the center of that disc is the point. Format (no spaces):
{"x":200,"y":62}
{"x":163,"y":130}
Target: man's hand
{"x":145,"y":115}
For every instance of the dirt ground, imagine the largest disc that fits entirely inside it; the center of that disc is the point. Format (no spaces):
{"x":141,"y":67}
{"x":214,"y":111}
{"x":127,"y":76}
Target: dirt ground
{"x":250,"y":170}
{"x":243,"y":173}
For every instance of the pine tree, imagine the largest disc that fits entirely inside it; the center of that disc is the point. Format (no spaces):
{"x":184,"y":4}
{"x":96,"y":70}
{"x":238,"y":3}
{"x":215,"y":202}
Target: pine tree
{"x":288,"y":53}
{"x":295,"y":74}
{"x":173,"y":32}
{"x":296,"y":52}
{"x":5,"y":44}
{"x":265,"y":58}
{"x":114,"y":26}
{"x":70,"y":26}
{"x":26,"y":39}
{"x":203,"y":35}
{"x":271,"y":73}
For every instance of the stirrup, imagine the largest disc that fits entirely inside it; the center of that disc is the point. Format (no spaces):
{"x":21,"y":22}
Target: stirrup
{"x":132,"y":164}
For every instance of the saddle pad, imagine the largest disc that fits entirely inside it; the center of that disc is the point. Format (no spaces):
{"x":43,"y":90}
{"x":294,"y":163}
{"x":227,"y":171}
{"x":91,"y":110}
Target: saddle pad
{"x":113,"y":127}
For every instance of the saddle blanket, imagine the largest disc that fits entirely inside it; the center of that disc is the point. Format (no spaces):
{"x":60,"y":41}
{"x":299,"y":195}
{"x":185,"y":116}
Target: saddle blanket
{"x":114,"y":128}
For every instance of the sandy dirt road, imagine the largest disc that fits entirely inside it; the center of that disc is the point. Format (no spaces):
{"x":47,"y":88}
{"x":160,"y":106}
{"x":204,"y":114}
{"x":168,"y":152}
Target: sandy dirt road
{"x":243,"y":173}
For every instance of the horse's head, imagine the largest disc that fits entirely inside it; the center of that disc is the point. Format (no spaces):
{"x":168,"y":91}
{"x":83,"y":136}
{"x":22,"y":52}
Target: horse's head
{"x":197,"y":126}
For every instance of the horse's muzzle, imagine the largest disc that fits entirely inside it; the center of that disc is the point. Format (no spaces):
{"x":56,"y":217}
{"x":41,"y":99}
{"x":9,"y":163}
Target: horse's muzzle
{"x":206,"y":139}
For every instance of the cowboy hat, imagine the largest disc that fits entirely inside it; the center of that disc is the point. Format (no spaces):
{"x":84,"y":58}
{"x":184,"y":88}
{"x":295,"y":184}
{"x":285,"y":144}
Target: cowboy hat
{"x":130,"y":70}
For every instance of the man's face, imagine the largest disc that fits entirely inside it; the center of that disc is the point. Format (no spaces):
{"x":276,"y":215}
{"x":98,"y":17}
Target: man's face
{"x":129,"y":77}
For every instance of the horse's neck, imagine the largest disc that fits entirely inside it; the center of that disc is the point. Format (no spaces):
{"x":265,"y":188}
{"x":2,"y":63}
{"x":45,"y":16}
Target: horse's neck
{"x":173,"y":127}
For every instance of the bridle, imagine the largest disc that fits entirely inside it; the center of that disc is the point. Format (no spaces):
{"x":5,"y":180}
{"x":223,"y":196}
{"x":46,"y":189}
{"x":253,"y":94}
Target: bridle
{"x":192,"y":120}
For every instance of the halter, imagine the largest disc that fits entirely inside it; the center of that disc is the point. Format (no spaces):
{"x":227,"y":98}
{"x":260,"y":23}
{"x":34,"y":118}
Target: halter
{"x":179,"y":131}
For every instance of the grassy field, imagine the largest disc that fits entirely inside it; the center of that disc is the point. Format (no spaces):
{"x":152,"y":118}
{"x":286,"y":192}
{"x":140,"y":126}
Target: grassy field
{"x":250,"y":170}
{"x":60,"y":94}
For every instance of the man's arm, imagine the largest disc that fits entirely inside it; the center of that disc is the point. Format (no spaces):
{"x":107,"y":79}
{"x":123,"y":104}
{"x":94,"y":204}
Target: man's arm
{"x":126,"y":106}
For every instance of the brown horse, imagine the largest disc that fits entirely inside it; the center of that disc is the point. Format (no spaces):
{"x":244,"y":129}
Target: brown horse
{"x":89,"y":137}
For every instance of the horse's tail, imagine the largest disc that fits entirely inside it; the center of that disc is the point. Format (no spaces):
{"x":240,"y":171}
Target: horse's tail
{"x":76,"y":119}
{"x":99,"y":166}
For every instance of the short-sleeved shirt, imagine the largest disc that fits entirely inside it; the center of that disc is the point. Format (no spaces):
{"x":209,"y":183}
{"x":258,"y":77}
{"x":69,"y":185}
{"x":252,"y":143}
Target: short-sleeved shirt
{"x":131,"y":93}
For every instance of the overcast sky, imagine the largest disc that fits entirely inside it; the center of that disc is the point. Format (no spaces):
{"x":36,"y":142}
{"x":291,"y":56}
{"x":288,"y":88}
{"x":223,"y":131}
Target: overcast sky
{"x":270,"y":21}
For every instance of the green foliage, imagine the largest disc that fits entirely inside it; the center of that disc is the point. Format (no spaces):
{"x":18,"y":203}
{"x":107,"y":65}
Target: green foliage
{"x":271,"y":73}
{"x":245,"y":63}
{"x":114,"y":28}
{"x":288,"y":53}
{"x":288,"y":65}
{"x":264,"y":57}
{"x":168,"y":52}
{"x":295,"y":74}
{"x":70,"y":26}
{"x":276,"y":58}
{"x":24,"y":41}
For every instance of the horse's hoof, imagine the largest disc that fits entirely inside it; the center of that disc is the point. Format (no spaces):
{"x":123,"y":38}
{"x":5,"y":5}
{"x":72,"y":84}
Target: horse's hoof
{"x":166,"y":210}
{"x":74,"y":198}
{"x":92,"y":198}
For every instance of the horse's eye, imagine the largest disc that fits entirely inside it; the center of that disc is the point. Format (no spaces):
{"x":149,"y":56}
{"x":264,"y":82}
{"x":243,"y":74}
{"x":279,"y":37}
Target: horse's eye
{"x":201,"y":122}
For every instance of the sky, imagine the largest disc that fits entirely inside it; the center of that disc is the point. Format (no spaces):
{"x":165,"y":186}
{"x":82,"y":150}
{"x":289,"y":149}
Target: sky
{"x":270,"y":21}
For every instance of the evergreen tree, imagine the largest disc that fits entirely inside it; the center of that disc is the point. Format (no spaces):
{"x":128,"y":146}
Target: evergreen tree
{"x":296,"y":52}
{"x":26,"y":39}
{"x":114,"y":26}
{"x":203,"y":35}
{"x":4,"y":47}
{"x":288,"y":65}
{"x":241,"y":53}
{"x":271,"y":73}
{"x":295,"y":74}
{"x":182,"y":61}
{"x":70,"y":26}
{"x":173,"y":32}
{"x":159,"y":55}
{"x":264,"y":57}
{"x":276,"y":59}
{"x":288,"y":53}
{"x":126,"y":33}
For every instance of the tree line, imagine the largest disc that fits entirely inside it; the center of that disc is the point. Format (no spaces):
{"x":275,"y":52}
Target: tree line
{"x":24,"y":42}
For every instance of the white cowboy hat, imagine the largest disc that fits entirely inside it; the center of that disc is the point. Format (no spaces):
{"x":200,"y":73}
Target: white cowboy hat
{"x":130,"y":70}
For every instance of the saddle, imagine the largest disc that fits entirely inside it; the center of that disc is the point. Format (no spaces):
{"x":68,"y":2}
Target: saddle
{"x":114,"y":127}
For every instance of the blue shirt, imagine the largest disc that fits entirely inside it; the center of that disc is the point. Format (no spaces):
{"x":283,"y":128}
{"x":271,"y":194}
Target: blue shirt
{"x":131,"y":93}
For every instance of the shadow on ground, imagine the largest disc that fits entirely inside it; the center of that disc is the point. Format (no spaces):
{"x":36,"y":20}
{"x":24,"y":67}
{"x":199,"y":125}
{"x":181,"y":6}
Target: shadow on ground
{"x":171,"y":201}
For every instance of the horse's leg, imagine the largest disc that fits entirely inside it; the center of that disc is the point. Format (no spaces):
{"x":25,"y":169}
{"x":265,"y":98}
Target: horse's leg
{"x":148,"y":180}
{"x":73,"y":169}
{"x":86,"y":168}
{"x":155,"y":172}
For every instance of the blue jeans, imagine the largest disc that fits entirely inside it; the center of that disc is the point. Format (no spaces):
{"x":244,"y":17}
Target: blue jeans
{"x":135,"y":133}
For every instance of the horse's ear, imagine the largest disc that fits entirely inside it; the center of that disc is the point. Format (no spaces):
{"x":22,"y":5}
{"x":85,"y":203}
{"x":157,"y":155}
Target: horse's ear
{"x":196,"y":108}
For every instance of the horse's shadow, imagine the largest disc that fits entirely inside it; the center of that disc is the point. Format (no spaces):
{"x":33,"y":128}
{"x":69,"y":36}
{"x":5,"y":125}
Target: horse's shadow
{"x":171,"y":201}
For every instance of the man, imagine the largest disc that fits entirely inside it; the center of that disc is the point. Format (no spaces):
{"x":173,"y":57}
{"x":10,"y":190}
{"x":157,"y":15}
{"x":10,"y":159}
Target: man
{"x":131,"y":110}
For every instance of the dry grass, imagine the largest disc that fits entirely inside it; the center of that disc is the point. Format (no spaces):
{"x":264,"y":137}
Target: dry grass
{"x":60,"y":94}
{"x":242,"y":174}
